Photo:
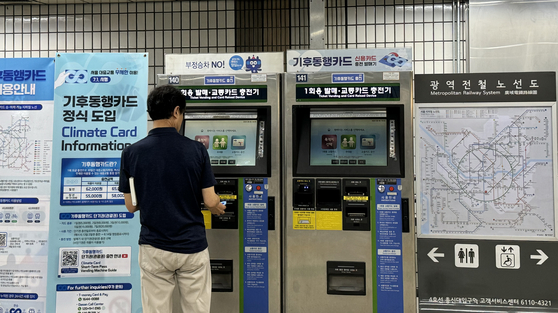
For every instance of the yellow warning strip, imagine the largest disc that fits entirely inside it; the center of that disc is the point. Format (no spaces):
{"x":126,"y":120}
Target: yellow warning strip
{"x":355,"y":198}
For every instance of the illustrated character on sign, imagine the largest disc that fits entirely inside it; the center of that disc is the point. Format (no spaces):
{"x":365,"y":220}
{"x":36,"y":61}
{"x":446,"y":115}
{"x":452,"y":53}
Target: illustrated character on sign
{"x":461,"y":255}
{"x":351,"y":142}
{"x":216,"y":143}
{"x":471,"y":255}
{"x":253,"y":64}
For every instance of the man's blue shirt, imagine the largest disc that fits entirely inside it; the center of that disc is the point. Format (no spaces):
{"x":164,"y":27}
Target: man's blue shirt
{"x":169,"y":173}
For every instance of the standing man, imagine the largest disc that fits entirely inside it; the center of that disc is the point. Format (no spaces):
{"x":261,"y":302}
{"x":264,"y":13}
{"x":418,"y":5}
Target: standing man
{"x":172,"y":176}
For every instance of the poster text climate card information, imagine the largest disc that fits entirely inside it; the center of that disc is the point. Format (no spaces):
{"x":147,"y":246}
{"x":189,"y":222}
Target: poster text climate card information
{"x":100,"y":109}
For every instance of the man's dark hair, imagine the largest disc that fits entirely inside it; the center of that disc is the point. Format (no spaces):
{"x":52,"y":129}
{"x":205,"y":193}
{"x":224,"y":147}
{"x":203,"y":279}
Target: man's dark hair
{"x":162,"y":101}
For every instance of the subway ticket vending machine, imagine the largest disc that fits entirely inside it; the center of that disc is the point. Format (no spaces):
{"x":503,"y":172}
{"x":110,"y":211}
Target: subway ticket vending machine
{"x":348,"y":193}
{"x":236,"y":117}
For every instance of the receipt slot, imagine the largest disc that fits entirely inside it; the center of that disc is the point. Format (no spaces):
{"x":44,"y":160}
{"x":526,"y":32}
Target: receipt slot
{"x":221,"y":276}
{"x":346,"y":278}
{"x":348,"y":168}
{"x":236,"y":118}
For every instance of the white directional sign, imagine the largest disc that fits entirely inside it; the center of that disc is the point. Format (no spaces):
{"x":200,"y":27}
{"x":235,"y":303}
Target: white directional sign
{"x":507,"y":257}
{"x":433,"y":255}
{"x":541,"y":257}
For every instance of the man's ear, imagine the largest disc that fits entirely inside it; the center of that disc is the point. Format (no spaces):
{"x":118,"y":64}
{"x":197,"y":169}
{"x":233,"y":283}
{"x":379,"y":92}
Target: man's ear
{"x":176,"y":113}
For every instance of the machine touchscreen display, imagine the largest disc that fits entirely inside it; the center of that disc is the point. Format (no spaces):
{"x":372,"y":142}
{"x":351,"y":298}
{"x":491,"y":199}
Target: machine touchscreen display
{"x":228,"y":142}
{"x":348,"y":142}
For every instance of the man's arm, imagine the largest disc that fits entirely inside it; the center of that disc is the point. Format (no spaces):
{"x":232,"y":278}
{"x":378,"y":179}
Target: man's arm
{"x":128,"y":201}
{"x":210,"y":200}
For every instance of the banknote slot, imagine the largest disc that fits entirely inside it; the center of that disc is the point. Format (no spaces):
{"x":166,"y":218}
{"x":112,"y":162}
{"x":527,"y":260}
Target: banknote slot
{"x":328,"y":197}
{"x":328,"y":194}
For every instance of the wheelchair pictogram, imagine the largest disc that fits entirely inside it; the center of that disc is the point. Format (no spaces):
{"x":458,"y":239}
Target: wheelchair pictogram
{"x":507,"y":256}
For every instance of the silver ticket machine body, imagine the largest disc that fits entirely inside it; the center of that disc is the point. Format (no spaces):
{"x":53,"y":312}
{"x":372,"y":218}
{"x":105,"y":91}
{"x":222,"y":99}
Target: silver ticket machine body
{"x":348,"y":193}
{"x":238,"y":122}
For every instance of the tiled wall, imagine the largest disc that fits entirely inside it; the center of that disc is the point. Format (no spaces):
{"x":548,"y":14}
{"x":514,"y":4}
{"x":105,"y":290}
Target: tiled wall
{"x":159,"y":28}
{"x":154,"y":27}
{"x":428,"y":26}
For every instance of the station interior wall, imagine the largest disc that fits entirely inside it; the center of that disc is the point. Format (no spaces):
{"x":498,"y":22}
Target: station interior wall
{"x":184,"y":27}
{"x":447,"y":36}
{"x":493,"y":36}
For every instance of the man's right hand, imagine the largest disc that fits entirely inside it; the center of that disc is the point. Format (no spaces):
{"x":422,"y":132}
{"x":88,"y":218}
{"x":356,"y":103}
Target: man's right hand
{"x":212,"y":201}
{"x":218,"y":210}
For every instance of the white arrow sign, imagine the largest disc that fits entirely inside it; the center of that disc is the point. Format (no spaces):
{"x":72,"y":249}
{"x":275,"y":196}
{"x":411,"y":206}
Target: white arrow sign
{"x":541,"y":257}
{"x":433,"y":255}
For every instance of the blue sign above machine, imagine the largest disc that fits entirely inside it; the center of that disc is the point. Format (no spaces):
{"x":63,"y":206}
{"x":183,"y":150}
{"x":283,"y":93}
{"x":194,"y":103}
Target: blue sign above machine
{"x":224,"y":63}
{"x":368,"y":60}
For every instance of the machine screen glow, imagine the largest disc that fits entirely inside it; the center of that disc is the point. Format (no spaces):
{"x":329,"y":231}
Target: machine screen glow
{"x":228,"y":142}
{"x":348,"y":142}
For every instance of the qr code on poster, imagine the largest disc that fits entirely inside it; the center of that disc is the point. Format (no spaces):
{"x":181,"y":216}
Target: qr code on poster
{"x":69,"y":258}
{"x":3,"y":239}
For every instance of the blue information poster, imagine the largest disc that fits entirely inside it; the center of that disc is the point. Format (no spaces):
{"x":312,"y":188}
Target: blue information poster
{"x":256,"y":267}
{"x":26,"y":111}
{"x":100,"y":109}
{"x":389,"y":246}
